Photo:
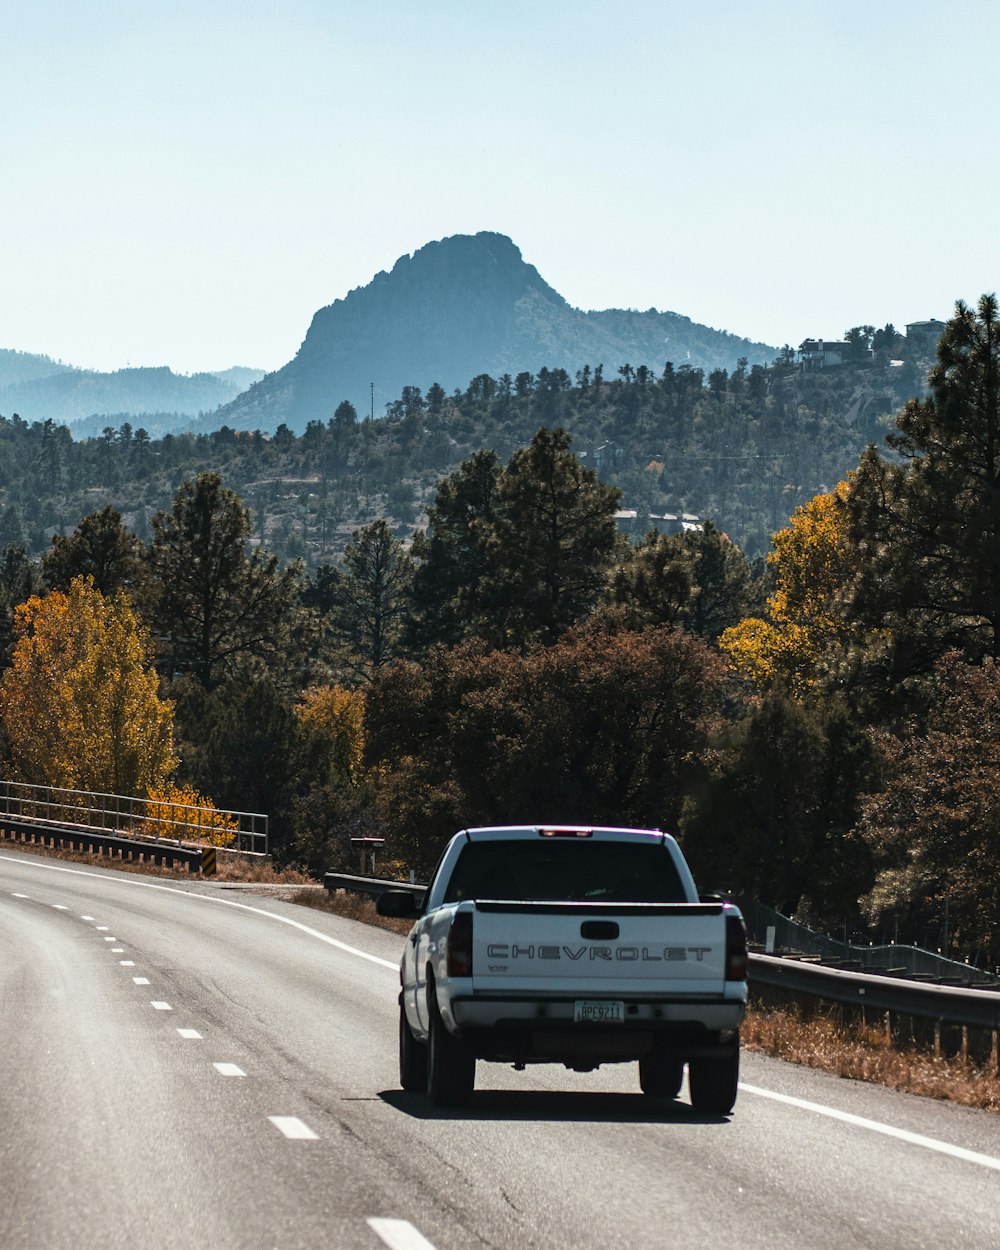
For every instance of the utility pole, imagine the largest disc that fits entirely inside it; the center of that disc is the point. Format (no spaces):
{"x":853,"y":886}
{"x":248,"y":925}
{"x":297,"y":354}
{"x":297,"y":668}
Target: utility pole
{"x":372,"y":385}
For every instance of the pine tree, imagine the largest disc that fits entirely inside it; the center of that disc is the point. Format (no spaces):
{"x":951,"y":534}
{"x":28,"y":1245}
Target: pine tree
{"x":926,"y":526}
{"x":215,"y":604}
{"x":101,"y":547}
{"x":550,"y":546}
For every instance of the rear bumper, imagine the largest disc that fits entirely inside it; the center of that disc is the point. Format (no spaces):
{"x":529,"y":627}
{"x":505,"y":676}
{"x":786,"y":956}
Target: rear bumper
{"x":532,"y":1030}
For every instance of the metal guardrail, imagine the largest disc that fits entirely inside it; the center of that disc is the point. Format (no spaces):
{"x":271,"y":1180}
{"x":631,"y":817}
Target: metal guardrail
{"x":370,"y":885}
{"x":141,"y":819}
{"x":776,"y":934}
{"x":946,"y":1003}
{"x":80,"y":838}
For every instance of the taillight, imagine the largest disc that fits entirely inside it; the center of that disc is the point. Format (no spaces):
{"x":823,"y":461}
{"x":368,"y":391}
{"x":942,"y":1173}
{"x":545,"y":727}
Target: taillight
{"x":459,"y":944}
{"x":736,"y":949}
{"x":565,"y":831}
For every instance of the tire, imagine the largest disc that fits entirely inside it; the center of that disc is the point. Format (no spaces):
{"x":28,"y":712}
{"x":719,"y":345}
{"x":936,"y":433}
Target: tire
{"x":451,"y":1065}
{"x":660,"y":1077}
{"x":412,"y":1057}
{"x":713,"y":1083}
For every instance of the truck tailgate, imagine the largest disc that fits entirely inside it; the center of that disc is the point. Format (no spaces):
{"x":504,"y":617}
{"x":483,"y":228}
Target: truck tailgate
{"x":616,"y":948}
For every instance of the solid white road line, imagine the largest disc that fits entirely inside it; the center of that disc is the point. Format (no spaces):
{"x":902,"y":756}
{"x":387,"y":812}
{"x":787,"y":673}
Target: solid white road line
{"x":161,"y":1006}
{"x":875,"y":1126}
{"x":293,"y":1128}
{"x":190,"y":1035}
{"x":222,"y":902}
{"x":399,"y":1235}
{"x":228,"y":1069}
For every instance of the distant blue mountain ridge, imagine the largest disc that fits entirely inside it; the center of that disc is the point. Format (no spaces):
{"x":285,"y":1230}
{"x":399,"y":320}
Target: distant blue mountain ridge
{"x":38,"y":388}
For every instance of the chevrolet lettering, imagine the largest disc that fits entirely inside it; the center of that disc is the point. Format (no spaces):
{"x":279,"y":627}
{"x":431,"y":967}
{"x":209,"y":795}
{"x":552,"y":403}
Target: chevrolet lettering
{"x":627,"y":954}
{"x":574,"y":945}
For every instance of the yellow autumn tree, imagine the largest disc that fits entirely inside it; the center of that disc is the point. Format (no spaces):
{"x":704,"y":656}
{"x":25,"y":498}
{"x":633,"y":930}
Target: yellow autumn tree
{"x":79,"y":703}
{"x":334,"y":718}
{"x":811,"y":561}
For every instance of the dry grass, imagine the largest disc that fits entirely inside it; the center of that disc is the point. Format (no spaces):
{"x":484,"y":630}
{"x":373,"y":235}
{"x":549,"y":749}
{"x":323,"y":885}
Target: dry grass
{"x":864,"y":1053}
{"x":228,"y":867}
{"x":353,"y":906}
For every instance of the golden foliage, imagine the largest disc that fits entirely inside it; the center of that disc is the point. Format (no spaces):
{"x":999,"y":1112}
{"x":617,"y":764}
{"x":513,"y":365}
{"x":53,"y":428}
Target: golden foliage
{"x":810,"y":559}
{"x":336,"y":717}
{"x":182,"y":814}
{"x":79,"y":703}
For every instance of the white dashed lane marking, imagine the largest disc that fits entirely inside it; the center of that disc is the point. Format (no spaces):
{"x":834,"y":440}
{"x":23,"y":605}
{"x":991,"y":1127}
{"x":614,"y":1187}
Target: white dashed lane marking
{"x":399,"y":1235}
{"x":293,"y":1128}
{"x":141,"y":980}
{"x":161,"y":1006}
{"x":20,"y":896}
{"x":60,"y":907}
{"x":127,"y":963}
{"x":190,"y":1035}
{"x":228,"y":1069}
{"x":103,"y":928}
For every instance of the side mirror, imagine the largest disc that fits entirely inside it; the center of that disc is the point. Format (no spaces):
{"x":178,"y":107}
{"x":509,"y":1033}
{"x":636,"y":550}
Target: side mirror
{"x":399,"y":904}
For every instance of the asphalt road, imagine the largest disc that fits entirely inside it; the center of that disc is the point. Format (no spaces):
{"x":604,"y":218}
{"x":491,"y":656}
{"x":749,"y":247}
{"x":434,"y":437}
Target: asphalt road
{"x":186,"y":1065}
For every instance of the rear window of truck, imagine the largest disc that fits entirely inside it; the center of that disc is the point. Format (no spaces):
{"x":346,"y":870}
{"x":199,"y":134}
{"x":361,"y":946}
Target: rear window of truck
{"x":565,"y":872}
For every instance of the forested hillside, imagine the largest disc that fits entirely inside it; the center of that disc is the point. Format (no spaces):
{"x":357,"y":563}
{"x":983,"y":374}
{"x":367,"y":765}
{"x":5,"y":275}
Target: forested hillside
{"x":741,"y":449}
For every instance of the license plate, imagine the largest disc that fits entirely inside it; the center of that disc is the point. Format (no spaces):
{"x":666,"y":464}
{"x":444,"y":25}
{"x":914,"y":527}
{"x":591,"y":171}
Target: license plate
{"x":596,"y":1011}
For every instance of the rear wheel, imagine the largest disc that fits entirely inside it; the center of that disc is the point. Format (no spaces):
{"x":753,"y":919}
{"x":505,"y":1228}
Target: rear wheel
{"x":660,"y":1077}
{"x":451,"y":1065}
{"x":713,"y":1083}
{"x":412,"y":1057}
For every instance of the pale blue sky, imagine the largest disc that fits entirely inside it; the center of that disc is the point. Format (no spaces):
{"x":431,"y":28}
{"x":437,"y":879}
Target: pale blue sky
{"x":185,"y":182}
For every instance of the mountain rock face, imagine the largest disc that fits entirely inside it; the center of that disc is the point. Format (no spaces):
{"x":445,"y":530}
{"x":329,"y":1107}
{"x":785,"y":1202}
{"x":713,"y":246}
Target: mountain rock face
{"x":455,"y":309}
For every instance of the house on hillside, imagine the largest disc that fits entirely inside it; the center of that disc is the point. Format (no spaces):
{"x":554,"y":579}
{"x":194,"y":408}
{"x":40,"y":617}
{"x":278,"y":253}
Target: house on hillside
{"x":820,"y":354}
{"x":637,"y":524}
{"x":924,"y":335}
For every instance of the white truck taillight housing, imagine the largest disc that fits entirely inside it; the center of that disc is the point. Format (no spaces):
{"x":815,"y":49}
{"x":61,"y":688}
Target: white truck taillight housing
{"x":459,"y":945}
{"x":736,"y":949}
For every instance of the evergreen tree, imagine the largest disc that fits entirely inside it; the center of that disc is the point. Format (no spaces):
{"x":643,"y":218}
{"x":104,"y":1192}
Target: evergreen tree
{"x":101,"y":547}
{"x":214,"y":604}
{"x":370,"y":597}
{"x":926,"y":525}
{"x":652,"y":584}
{"x":450,"y":557}
{"x":550,"y":546}
{"x":19,"y":580}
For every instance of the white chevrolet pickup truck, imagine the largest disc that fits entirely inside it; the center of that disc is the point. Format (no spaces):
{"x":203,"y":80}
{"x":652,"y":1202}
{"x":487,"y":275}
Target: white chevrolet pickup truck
{"x":571,"y":945}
